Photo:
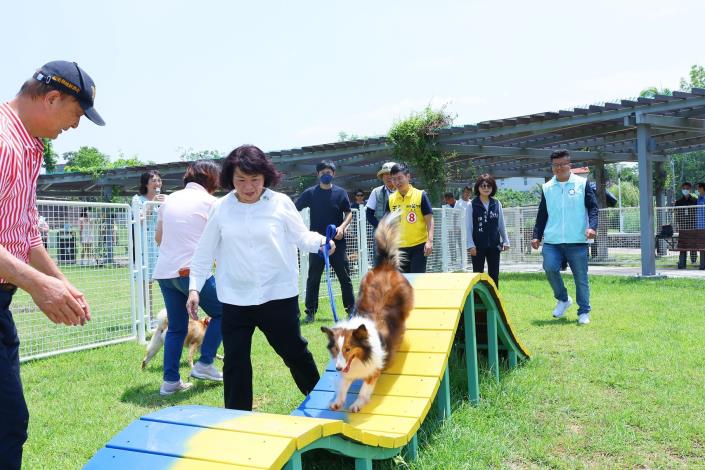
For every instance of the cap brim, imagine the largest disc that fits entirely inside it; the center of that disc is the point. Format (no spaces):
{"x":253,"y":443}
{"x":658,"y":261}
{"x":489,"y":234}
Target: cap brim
{"x":93,"y":115}
{"x":381,"y":173}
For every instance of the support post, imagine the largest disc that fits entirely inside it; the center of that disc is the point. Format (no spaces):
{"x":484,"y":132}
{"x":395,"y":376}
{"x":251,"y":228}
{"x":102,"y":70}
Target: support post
{"x":294,"y":462}
{"x":646,"y":209}
{"x":492,"y":341}
{"x":362,"y":252}
{"x":445,"y":246}
{"x":412,"y":450}
{"x":136,"y":265}
{"x":471,"y":349}
{"x":463,"y":241}
{"x":363,"y":463}
{"x":443,"y":397}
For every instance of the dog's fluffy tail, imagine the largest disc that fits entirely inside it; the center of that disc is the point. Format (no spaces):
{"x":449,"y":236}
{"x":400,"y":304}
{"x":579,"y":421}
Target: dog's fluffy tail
{"x":157,"y":338}
{"x":387,"y":237}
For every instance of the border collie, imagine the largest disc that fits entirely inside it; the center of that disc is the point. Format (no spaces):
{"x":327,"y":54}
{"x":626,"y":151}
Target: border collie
{"x":364,"y":345}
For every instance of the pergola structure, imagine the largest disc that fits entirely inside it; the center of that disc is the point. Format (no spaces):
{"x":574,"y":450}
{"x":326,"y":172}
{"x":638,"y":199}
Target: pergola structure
{"x":645,"y":130}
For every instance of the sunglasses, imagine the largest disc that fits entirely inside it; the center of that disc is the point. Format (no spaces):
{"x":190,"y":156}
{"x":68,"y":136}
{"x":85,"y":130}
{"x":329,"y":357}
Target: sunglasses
{"x":485,"y":185}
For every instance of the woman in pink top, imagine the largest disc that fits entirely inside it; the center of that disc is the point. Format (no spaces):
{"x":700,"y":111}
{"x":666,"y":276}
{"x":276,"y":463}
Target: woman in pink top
{"x":180,"y":223}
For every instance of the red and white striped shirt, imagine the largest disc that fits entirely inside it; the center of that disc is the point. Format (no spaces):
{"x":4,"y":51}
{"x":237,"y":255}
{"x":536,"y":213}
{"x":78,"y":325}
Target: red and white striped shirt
{"x":20,"y":161}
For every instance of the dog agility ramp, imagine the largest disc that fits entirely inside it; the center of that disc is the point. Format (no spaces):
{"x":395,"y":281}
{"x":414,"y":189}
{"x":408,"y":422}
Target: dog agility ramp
{"x":198,"y":437}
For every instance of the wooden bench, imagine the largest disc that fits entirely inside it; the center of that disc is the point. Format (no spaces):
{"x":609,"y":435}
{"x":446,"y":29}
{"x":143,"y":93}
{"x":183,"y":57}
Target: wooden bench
{"x":691,"y":240}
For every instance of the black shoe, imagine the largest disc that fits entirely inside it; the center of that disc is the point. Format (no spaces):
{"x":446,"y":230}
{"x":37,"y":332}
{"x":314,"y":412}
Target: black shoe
{"x":681,"y":266}
{"x":309,"y":318}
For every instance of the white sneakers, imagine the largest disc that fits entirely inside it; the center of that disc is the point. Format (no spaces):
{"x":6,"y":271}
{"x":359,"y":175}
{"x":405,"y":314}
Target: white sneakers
{"x":561,"y":307}
{"x":206,"y":372}
{"x":199,"y":371}
{"x":169,"y":388}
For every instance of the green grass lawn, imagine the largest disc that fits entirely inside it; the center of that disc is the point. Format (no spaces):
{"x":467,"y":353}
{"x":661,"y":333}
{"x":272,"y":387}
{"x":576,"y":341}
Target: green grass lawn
{"x":625,"y":391}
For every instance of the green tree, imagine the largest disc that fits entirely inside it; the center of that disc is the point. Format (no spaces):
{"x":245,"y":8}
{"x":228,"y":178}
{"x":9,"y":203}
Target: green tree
{"x":414,"y":141}
{"x":512,"y":198}
{"x":50,"y":157}
{"x":86,"y":160}
{"x":190,"y":155}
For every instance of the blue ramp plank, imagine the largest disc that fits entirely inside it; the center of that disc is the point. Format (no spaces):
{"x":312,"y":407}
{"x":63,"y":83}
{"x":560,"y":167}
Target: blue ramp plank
{"x":195,"y":415}
{"x":118,"y":459}
{"x":213,"y":445}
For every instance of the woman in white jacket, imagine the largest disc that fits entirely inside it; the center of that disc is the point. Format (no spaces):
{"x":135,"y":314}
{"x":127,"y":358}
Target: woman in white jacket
{"x":252,"y":235}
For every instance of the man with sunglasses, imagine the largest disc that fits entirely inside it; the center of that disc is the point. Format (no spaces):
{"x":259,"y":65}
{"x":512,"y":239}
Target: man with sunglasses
{"x":49,"y":103}
{"x":566,"y":220}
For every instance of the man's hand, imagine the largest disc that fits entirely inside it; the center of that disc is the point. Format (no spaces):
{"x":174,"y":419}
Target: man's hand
{"x":59,"y":303}
{"x":505,"y":247}
{"x":340,"y":233}
{"x":590,"y":234}
{"x":78,"y":295}
{"x":192,"y":304}
{"x":535,"y":243}
{"x":473,"y":251}
{"x":428,"y":248}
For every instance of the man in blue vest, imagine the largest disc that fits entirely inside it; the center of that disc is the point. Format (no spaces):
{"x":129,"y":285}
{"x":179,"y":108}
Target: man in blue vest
{"x":567,"y":219}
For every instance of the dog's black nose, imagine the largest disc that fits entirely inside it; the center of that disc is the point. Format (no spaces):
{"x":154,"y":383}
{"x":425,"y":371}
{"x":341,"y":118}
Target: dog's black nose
{"x":338,"y":368}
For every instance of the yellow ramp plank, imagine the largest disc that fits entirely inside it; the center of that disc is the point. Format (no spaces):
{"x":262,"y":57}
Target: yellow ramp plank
{"x":406,"y":386}
{"x":240,"y":448}
{"x":396,"y":406}
{"x":303,"y":430}
{"x":191,"y":464}
{"x":433,"y":319}
{"x":382,"y":424}
{"x":427,"y":341}
{"x":439,"y":298}
{"x":410,"y":363}
{"x":451,"y":281}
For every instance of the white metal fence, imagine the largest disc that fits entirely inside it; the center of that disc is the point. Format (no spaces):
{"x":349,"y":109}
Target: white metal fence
{"x":97,"y":247}
{"x":91,"y":244}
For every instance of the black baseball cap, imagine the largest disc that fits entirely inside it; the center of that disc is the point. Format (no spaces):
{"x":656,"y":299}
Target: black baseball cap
{"x":69,"y":78}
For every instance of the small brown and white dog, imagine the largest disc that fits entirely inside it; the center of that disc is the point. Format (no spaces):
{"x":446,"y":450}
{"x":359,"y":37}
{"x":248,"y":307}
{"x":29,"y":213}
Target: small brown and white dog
{"x":364,"y":345}
{"x":194,"y":337}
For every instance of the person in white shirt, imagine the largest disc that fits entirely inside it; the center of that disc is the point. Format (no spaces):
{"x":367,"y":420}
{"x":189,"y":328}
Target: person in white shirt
{"x":180,"y":223}
{"x":252,"y":235}
{"x":464,"y":201}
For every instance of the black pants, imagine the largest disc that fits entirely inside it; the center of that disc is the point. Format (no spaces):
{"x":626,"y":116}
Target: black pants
{"x":341,"y":266}
{"x":279,"y":321}
{"x":682,"y":257}
{"x":413,"y":261}
{"x":492,"y":257}
{"x":14,"y":416}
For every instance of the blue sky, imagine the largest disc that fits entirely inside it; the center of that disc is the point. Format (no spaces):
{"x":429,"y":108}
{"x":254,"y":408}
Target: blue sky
{"x":216,"y":74}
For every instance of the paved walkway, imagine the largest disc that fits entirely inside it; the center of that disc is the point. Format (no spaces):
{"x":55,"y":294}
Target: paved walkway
{"x":691,"y":272}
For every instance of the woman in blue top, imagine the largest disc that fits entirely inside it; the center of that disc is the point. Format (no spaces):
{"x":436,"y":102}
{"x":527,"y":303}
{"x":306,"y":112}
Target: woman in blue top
{"x":487,"y":234}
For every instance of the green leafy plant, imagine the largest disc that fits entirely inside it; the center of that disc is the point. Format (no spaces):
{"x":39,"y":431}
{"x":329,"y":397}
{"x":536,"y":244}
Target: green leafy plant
{"x":414,"y":141}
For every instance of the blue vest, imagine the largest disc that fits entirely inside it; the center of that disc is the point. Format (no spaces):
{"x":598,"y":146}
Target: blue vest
{"x":485,"y":224}
{"x":567,"y":215}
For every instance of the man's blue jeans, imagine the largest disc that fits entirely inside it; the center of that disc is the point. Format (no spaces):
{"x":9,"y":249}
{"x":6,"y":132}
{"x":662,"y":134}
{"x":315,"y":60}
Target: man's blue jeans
{"x":577,"y":256}
{"x":175,"y":292}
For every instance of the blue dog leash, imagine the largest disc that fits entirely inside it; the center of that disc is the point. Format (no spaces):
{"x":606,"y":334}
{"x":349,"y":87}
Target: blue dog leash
{"x":330,"y":235}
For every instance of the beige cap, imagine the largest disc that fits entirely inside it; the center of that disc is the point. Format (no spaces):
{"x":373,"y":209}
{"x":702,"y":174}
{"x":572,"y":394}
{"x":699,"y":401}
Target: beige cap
{"x":386,"y":168}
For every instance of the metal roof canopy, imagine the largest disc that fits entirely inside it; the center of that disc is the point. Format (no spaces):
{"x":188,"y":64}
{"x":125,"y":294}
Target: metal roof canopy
{"x":646,"y":130}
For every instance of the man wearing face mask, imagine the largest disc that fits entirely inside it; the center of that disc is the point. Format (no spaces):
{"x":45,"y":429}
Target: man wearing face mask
{"x":329,"y":204}
{"x":685,"y":220}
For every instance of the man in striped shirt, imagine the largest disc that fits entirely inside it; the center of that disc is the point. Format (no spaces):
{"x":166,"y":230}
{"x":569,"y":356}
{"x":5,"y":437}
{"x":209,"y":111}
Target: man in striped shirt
{"x":50,"y":102}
